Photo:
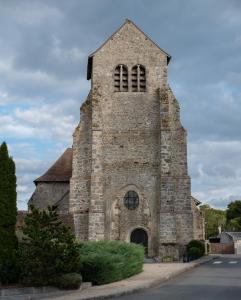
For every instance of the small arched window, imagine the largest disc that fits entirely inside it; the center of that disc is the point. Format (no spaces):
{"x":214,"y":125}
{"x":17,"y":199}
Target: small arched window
{"x":121,"y":78}
{"x":131,"y":200}
{"x":138,"y":78}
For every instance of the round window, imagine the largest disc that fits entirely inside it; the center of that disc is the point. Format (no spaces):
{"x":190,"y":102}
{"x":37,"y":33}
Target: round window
{"x":131,"y":200}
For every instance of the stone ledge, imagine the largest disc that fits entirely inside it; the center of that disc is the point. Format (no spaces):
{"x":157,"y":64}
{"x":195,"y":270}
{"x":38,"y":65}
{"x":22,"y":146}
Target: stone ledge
{"x":29,"y":293}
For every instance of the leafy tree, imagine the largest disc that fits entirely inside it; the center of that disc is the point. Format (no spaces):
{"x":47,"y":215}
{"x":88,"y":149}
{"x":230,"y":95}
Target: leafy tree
{"x":48,"y":249}
{"x":8,"y":217}
{"x":233,"y":214}
{"x":213,"y":219}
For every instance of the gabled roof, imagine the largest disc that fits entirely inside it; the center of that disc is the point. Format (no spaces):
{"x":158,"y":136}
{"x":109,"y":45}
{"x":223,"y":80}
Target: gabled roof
{"x":234,"y":235}
{"x":89,"y":66}
{"x":60,"y":171}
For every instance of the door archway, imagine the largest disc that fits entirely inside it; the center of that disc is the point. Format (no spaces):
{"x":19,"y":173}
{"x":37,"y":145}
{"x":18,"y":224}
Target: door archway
{"x":139,"y":236}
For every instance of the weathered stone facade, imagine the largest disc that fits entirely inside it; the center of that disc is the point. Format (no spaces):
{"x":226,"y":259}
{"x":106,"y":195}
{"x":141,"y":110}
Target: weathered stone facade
{"x":198,"y":221}
{"x":131,"y":139}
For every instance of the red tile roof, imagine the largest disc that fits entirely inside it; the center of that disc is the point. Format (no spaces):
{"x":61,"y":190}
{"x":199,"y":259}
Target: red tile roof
{"x":61,"y":170}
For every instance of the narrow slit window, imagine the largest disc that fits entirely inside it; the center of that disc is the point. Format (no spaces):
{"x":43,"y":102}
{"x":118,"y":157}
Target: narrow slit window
{"x":121,"y":79}
{"x":138,"y":79}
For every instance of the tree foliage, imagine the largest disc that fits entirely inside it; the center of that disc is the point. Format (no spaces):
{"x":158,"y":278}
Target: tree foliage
{"x":213,"y":219}
{"x":8,"y":216}
{"x":233,"y":214}
{"x":48,"y":249}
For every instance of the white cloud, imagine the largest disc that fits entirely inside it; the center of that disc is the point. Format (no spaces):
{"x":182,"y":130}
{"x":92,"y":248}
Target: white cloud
{"x":45,"y":122}
{"x":215,"y":168}
{"x":40,"y":12}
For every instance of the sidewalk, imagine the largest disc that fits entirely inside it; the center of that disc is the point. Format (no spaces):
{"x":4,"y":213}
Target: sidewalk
{"x":152,"y":275}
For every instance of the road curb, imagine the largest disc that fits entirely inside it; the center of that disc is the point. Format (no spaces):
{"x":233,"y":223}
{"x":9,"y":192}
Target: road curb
{"x":154,"y":283}
{"x":117,"y":291}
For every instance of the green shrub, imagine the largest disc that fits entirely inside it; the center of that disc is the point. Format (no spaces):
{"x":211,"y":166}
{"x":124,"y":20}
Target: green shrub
{"x":68,"y":281}
{"x":195,"y":249}
{"x":194,"y":253}
{"x":9,"y":268}
{"x":196,"y":244}
{"x":109,"y":261}
{"x":48,"y":249}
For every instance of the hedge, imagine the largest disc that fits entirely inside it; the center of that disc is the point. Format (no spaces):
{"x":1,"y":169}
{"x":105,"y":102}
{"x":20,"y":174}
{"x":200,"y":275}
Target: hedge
{"x":69,"y":281}
{"x":108,"y":261}
{"x":195,"y":249}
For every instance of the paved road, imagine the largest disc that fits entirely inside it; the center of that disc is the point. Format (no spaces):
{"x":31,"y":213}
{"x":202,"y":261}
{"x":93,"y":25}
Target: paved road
{"x":219,"y":279}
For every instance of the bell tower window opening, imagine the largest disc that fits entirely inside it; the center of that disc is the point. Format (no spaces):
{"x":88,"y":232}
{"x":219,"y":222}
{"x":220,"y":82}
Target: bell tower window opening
{"x":138,"y":79}
{"x":121,"y":79}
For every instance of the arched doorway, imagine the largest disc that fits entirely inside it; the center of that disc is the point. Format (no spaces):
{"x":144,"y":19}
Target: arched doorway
{"x":139,"y":236}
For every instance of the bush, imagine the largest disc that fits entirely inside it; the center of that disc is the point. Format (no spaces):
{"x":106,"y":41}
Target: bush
{"x":195,"y":249}
{"x":48,"y":249}
{"x":68,"y":281}
{"x":108,"y":261}
{"x":194,"y":253}
{"x":9,"y":268}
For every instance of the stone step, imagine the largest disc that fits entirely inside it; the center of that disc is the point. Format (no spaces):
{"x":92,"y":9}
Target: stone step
{"x":151,"y":260}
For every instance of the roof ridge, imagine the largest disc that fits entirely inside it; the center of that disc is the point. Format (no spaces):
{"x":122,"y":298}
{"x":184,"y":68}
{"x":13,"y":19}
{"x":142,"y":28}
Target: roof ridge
{"x":89,"y":67}
{"x":60,"y":170}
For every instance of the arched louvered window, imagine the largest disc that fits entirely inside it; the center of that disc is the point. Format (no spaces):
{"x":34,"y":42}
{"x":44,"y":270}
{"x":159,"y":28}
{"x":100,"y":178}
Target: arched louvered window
{"x":121,"y":78}
{"x":138,"y":79}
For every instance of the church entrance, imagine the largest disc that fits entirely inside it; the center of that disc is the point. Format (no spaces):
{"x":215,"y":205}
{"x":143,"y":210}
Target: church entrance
{"x":139,"y":236}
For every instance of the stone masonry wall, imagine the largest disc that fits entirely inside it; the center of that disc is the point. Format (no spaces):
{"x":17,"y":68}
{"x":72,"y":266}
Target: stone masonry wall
{"x":51,"y":193}
{"x":131,"y":141}
{"x":128,"y":125}
{"x":198,"y":223}
{"x":81,"y":171}
{"x":176,"y":216}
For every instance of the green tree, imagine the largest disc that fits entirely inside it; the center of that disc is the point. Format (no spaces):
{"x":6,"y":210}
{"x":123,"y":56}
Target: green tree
{"x":213,"y":219}
{"x":48,"y":249}
{"x":8,"y":216}
{"x":233,"y":214}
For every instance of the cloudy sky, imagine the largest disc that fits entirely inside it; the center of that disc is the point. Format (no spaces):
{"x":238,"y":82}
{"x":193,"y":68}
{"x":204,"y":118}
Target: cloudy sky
{"x":44,"y":47}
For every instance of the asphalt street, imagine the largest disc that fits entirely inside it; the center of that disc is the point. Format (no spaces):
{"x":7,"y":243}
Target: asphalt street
{"x":219,"y":279}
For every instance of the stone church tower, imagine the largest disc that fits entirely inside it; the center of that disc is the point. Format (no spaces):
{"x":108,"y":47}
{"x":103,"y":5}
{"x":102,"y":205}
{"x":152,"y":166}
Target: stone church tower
{"x":129,"y":177}
{"x":126,"y":176}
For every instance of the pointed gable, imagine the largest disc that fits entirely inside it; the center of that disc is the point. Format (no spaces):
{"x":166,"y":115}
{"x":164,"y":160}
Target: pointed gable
{"x":127,"y":21}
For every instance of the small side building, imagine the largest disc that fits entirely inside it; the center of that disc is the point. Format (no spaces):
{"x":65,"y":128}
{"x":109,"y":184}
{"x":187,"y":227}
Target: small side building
{"x":52,"y":188}
{"x":231,"y":238}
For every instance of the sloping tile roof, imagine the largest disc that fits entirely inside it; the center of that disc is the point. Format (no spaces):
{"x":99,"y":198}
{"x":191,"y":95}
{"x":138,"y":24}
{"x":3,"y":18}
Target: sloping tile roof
{"x":235,"y":235}
{"x":60,"y":171}
{"x":196,"y":201}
